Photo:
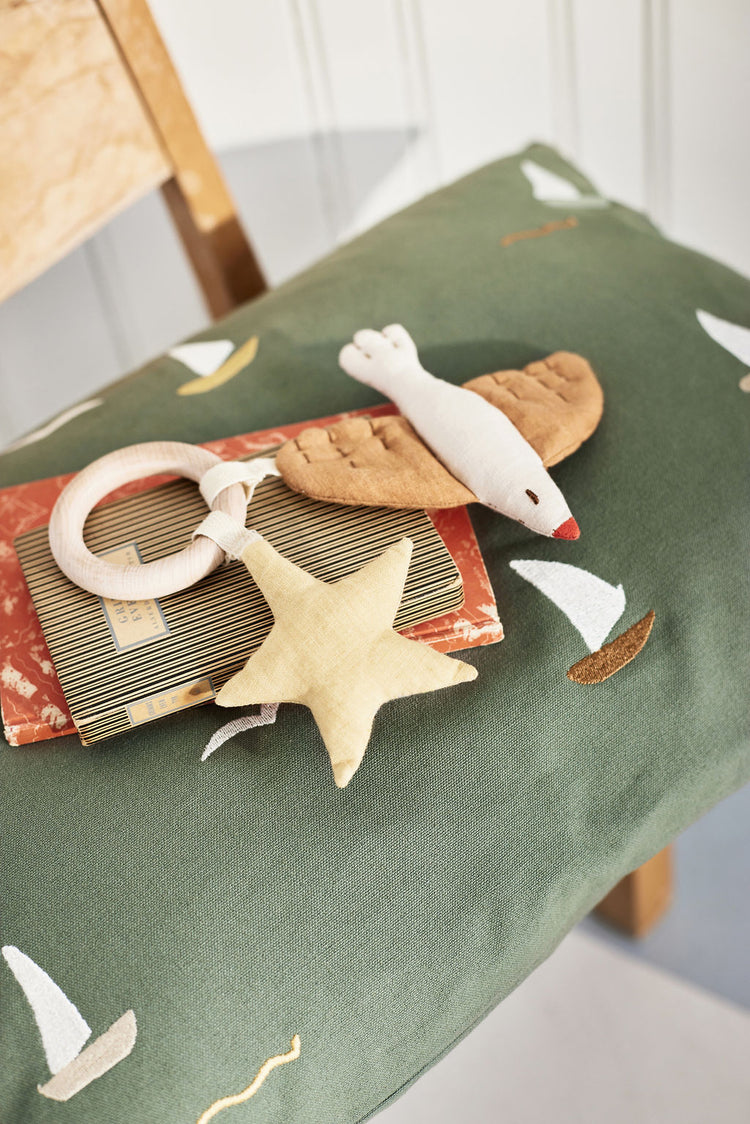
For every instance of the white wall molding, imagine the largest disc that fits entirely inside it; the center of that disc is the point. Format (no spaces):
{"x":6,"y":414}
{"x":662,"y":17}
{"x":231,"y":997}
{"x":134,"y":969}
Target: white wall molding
{"x":657,"y":110}
{"x":563,"y":63}
{"x":424,"y":157}
{"x":331,"y":170}
{"x":610,"y":96}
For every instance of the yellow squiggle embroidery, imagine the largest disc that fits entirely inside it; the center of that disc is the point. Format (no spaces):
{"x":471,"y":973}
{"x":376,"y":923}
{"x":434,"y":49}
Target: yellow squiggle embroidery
{"x":246,"y":1094}
{"x":240,"y":358}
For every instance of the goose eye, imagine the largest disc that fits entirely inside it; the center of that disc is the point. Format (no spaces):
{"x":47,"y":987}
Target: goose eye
{"x":532,"y":495}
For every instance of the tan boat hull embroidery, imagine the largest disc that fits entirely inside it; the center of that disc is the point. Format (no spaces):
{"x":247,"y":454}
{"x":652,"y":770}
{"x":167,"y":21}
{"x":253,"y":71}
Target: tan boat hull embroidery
{"x":593,"y":607}
{"x":236,"y":362}
{"x":252,"y":1089}
{"x":608,"y":659}
{"x":104,"y":1053}
{"x":539,"y":231}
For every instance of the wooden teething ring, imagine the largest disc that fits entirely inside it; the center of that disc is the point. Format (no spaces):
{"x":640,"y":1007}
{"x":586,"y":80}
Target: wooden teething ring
{"x":152,"y":579}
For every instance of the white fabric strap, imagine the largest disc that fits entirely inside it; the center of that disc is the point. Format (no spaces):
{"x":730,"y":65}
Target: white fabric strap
{"x":247,"y":473}
{"x":230,"y":535}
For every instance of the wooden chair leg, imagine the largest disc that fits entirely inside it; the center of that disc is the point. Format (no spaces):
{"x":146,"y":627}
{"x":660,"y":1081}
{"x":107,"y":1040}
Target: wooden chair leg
{"x":640,"y":899}
{"x":223,"y":262}
{"x":197,"y":196}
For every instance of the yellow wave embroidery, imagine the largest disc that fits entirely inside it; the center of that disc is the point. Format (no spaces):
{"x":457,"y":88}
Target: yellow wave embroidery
{"x":246,"y":1094}
{"x":240,"y":358}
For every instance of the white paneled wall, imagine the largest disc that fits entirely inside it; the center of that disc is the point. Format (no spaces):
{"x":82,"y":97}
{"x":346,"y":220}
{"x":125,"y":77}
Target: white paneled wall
{"x":709,"y":111}
{"x":611,"y":92}
{"x":330,"y":114}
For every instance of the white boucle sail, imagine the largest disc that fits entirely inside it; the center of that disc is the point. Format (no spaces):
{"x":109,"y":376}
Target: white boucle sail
{"x":63,"y":1029}
{"x":593,"y":606}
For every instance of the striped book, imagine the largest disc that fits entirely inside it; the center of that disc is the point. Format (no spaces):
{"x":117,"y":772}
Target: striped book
{"x":118,"y":665}
{"x":123,"y":663}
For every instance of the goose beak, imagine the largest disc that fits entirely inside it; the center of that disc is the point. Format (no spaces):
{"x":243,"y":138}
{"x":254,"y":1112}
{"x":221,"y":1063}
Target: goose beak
{"x":567,"y":530}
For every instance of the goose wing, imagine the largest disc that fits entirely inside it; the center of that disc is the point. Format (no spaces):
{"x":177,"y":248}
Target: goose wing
{"x":374,"y":461}
{"x":556,"y":403}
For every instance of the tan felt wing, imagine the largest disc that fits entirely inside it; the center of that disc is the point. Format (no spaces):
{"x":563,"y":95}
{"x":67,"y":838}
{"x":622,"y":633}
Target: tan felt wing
{"x":375,"y":461}
{"x":556,"y":403}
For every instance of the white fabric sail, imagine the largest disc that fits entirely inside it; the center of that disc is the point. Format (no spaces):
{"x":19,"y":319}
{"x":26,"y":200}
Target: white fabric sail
{"x":547,"y":185}
{"x":555,"y":190}
{"x":205,"y":357}
{"x":61,"y":1026}
{"x":593,"y":606}
{"x":51,"y":426}
{"x":732,"y":337}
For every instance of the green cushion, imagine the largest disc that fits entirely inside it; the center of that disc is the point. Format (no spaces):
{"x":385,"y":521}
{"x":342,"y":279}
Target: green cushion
{"x":235,"y":903}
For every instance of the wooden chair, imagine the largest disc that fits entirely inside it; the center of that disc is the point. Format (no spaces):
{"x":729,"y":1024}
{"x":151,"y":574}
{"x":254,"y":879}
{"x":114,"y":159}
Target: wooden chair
{"x":94,"y":116}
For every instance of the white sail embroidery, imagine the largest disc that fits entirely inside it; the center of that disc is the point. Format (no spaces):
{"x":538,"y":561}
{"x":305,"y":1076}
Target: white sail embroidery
{"x":732,"y":337}
{"x":555,"y":190}
{"x":591,"y":605}
{"x":64,"y":1031}
{"x":266,"y":717}
{"x":60,"y":1023}
{"x":56,"y":423}
{"x":203,"y":358}
{"x":214,"y":361}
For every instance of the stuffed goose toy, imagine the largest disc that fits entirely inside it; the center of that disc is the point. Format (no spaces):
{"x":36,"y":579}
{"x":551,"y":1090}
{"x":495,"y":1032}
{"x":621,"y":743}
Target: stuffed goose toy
{"x":489,"y":441}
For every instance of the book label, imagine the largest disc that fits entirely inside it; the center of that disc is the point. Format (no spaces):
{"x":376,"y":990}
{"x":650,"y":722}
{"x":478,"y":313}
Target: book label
{"x":132,"y":623}
{"x":167,"y":702}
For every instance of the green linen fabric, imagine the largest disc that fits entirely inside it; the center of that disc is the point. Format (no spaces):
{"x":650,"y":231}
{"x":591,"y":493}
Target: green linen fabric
{"x":237,"y":902}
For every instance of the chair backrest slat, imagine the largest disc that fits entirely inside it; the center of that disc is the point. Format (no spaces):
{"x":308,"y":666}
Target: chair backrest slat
{"x":92,"y":116}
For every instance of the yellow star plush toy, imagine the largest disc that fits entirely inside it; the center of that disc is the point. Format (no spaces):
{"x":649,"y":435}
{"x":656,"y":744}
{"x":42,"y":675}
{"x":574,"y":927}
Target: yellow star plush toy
{"x":333,"y":648}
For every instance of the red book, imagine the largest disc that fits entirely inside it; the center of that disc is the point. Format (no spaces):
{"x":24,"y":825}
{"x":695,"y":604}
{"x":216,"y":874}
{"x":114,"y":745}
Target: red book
{"x":31,"y":698}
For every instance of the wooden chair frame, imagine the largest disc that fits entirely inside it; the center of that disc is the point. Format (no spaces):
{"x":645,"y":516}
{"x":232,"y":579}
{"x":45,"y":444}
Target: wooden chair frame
{"x":197,"y":196}
{"x":93,"y":115}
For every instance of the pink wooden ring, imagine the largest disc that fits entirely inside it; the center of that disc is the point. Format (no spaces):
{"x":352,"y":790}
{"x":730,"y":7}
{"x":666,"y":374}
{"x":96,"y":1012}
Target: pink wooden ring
{"x":152,"y":579}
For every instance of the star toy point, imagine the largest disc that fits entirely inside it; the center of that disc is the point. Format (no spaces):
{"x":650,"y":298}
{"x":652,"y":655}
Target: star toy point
{"x":333,"y":648}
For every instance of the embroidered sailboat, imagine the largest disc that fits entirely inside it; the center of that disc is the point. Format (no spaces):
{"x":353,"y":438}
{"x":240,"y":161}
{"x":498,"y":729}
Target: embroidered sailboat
{"x":213,"y":361}
{"x":266,"y":716}
{"x":64,"y":1031}
{"x":732,"y":337}
{"x":555,"y":190}
{"x":593,"y":607}
{"x":56,"y":423}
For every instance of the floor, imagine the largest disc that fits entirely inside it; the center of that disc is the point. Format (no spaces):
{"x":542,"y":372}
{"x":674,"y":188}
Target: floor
{"x":655,"y":1031}
{"x":705,"y":937}
{"x":594,"y":1035}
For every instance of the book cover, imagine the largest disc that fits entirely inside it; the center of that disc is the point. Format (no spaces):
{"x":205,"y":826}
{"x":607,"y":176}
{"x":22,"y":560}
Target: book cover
{"x":33,"y":703}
